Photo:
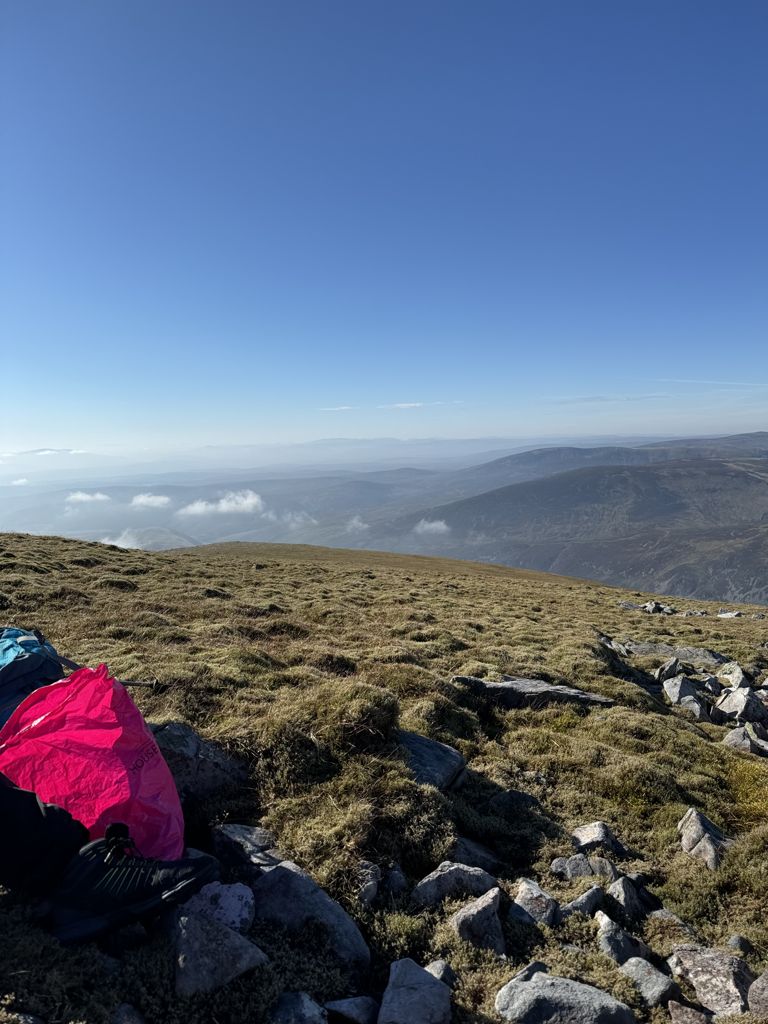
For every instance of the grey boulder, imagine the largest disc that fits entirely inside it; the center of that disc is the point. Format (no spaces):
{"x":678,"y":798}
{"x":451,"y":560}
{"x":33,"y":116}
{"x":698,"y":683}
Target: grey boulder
{"x":721,"y":981}
{"x":358,"y":1010}
{"x":668,"y":670}
{"x":210,"y":955}
{"x":450,"y":879}
{"x":478,"y":923}
{"x":751,"y":738}
{"x":246,"y":846}
{"x":588,"y":903}
{"x":297,"y":1008}
{"x":475,"y":855}
{"x":679,"y":1014}
{"x":413,"y":994}
{"x":288,"y":897}
{"x":629,"y":898}
{"x":532,"y":905}
{"x":443,"y":971}
{"x":616,"y":943}
{"x":595,"y":835}
{"x":701,"y":838}
{"x":758,"y":996}
{"x":230,"y":905}
{"x":432,"y":763}
{"x":741,"y":705}
{"x":655,"y":988}
{"x":199,"y":767}
{"x":541,"y":998}
{"x":679,"y":687}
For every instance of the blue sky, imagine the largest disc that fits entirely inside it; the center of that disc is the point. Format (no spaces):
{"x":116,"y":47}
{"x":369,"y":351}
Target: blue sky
{"x":245,"y":222}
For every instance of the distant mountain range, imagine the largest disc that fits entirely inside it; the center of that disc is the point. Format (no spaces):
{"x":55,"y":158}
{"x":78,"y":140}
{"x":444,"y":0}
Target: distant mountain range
{"x":687,"y":517}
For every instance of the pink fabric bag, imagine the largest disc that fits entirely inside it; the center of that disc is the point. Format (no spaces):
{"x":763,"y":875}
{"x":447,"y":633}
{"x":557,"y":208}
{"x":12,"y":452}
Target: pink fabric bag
{"x":82,"y":744}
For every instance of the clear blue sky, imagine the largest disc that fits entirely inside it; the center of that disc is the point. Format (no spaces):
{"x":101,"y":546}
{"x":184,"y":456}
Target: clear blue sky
{"x":222,"y":220}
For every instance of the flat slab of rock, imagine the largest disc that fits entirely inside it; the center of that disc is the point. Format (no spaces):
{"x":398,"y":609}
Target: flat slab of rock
{"x":450,"y":879}
{"x":512,"y":692}
{"x":721,"y":981}
{"x":701,"y":838}
{"x":210,"y":955}
{"x":358,"y":1010}
{"x":581,"y":866}
{"x":595,"y":835}
{"x":478,"y":923}
{"x":199,"y":767}
{"x":288,"y":897}
{"x":230,"y":905}
{"x":297,"y":1008}
{"x":697,"y":656}
{"x":432,"y":763}
{"x":655,"y":988}
{"x":542,"y":998}
{"x":413,"y":994}
{"x":532,"y":905}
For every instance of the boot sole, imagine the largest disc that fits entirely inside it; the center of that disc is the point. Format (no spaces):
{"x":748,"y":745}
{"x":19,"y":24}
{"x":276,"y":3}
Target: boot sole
{"x":85,"y":928}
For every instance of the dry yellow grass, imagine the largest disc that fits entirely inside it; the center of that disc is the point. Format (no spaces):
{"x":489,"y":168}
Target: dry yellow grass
{"x":304,"y":660}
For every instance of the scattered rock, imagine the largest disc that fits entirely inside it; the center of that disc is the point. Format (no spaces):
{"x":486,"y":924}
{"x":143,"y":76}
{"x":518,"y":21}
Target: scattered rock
{"x":359,"y":1010}
{"x":679,"y":687}
{"x":512,"y":692}
{"x":542,"y":998}
{"x":246,"y":845}
{"x":288,"y":897}
{"x":701,"y":838}
{"x":680,"y":1014}
{"x":199,"y":767}
{"x":589,"y":837}
{"x":478,"y":923}
{"x":210,"y":955}
{"x":443,"y":971}
{"x":577,"y":866}
{"x":475,"y":855}
{"x":748,"y":738}
{"x":534,"y":906}
{"x":655,"y":988}
{"x":697,"y":707}
{"x":627,"y":895}
{"x":721,"y":981}
{"x":657,"y":608}
{"x":668,"y":670}
{"x":297,"y":1008}
{"x":696,"y":656}
{"x":588,"y":903}
{"x":230,"y":905}
{"x":740,"y":944}
{"x":617,"y":943}
{"x":450,"y":879}
{"x":741,"y":704}
{"x":758,"y":996}
{"x":725,"y":614}
{"x":369,"y":876}
{"x":414,"y":994}
{"x":734,"y":675}
{"x":432,"y":763}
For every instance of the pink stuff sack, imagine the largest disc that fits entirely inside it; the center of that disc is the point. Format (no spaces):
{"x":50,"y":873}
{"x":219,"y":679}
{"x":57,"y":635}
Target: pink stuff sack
{"x":82,"y":744}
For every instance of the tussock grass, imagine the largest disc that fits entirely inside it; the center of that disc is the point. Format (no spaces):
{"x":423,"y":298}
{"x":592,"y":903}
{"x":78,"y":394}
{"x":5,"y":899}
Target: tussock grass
{"x":305,"y":661}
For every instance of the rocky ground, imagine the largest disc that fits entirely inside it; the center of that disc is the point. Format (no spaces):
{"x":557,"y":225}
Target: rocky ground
{"x":401,"y":844}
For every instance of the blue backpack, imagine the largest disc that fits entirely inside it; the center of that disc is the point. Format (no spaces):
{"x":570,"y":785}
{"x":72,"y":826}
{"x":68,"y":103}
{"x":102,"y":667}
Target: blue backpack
{"x":27,"y":662}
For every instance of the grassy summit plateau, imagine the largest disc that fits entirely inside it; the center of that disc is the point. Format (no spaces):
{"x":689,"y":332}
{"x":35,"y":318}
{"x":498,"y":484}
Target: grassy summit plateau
{"x":305,"y":661}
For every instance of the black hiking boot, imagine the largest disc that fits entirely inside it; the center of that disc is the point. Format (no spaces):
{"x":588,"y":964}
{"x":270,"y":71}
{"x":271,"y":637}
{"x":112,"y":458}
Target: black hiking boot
{"x":107,"y":885}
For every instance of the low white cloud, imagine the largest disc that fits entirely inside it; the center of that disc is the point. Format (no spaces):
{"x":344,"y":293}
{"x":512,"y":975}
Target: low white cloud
{"x":356,"y":525}
{"x":338,"y":408}
{"x":233,"y":502}
{"x":83,"y":497}
{"x":150,"y":500}
{"x":405,"y":405}
{"x":21,"y":482}
{"x":127,"y":539}
{"x":296,"y":520}
{"x":431,"y":526}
